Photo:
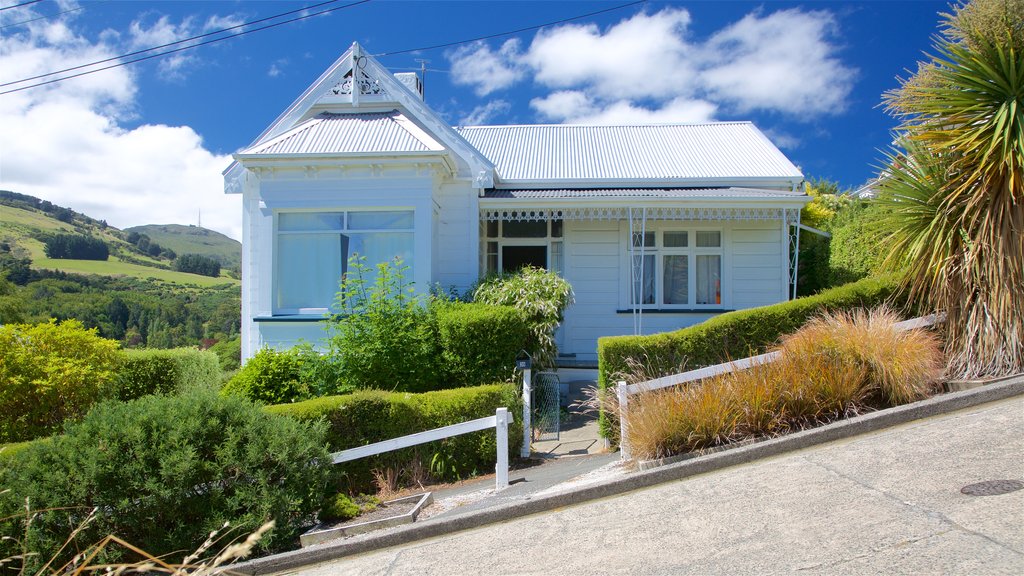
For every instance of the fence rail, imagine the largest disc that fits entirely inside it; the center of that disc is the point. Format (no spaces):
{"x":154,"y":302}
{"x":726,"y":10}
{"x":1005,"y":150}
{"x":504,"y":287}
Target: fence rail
{"x":623,"y":390}
{"x":500,"y":422}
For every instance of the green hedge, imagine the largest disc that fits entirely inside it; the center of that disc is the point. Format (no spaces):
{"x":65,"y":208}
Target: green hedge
{"x":732,"y":335}
{"x":366,"y":417}
{"x":479,"y":342}
{"x":144,"y":372}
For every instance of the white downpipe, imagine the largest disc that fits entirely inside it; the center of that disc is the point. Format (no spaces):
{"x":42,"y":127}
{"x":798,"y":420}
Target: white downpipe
{"x":501,"y":466}
{"x":637,"y":274}
{"x":527,"y":432}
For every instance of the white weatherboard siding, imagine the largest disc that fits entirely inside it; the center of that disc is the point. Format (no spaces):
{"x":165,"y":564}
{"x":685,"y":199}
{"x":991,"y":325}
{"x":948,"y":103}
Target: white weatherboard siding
{"x":596,"y":265}
{"x":458,"y":237}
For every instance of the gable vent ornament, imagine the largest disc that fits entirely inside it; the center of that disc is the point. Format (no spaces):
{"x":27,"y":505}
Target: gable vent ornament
{"x":367,"y":86}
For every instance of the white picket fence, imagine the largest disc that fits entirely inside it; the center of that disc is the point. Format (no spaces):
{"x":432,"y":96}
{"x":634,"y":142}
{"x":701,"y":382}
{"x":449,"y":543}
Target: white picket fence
{"x":500,"y":422}
{"x":623,"y":390}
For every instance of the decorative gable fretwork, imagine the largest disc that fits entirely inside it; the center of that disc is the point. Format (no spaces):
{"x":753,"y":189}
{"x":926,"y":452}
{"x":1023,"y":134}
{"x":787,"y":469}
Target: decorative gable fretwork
{"x":367,"y":86}
{"x":653,"y":213}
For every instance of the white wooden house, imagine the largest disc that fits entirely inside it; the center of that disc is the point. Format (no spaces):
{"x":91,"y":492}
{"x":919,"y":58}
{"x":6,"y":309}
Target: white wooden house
{"x":359,"y":164}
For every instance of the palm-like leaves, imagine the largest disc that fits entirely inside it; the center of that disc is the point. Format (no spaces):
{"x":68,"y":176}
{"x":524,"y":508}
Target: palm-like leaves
{"x":956,"y":198}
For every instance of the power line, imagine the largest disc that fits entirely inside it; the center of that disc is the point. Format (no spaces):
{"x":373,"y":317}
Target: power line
{"x":169,"y":44}
{"x":44,"y":17}
{"x":20,"y":5}
{"x":500,"y":34}
{"x":189,"y":47}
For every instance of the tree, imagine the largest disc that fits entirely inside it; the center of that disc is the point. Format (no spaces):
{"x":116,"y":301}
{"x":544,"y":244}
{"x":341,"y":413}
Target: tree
{"x":954,"y":194}
{"x":197,"y":264}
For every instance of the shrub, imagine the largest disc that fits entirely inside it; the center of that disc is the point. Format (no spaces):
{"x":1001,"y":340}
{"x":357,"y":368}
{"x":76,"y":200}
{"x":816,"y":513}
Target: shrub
{"x":269,"y":377}
{"x":386,"y":336}
{"x":836,"y":366}
{"x":195,"y":264}
{"x":337,"y":508}
{"x":162,"y":472}
{"x":76,"y":246}
{"x":145,"y":372}
{"x":50,"y":373}
{"x":365,"y":417}
{"x":229,"y":352}
{"x":855,"y":252}
{"x":731,"y":335}
{"x":542,"y":295}
{"x":479,"y":343}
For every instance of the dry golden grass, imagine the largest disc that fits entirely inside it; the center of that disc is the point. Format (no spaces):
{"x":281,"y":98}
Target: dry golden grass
{"x":835,"y":367}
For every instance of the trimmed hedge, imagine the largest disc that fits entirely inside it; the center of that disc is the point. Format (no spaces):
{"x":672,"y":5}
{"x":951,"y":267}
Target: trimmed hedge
{"x":366,"y":417}
{"x":144,"y":372}
{"x":479,"y":342}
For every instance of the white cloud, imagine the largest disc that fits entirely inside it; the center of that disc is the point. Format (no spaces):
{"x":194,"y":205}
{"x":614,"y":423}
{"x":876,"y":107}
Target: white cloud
{"x":650,"y":68}
{"x":143,"y":35}
{"x":277,"y":67}
{"x":485,"y":113}
{"x":782,"y":62}
{"x":66,"y":143}
{"x":487,"y":70}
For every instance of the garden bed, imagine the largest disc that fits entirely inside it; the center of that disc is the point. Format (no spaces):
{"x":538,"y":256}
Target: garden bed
{"x":391,"y":513}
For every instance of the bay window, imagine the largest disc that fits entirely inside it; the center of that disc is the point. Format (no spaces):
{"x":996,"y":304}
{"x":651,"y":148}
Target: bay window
{"x":313,"y":251}
{"x":676,"y":268}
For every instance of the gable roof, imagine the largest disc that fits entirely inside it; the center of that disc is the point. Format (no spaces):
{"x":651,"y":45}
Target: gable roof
{"x":329,"y":133}
{"x":733,"y":152}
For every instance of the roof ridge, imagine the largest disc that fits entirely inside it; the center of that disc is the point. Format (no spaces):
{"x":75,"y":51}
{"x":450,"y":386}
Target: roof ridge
{"x":649,"y":125}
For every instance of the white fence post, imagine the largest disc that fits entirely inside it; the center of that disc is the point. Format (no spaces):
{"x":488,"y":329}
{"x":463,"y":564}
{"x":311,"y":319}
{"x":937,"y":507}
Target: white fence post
{"x":623,"y":394}
{"x":501,"y":430}
{"x":527,"y":431}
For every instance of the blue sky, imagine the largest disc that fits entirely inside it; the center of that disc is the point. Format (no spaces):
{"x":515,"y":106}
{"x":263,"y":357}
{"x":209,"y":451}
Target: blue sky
{"x":146,"y":143}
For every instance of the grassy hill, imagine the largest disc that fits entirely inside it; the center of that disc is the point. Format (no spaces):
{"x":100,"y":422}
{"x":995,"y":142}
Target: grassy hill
{"x":24,"y":229}
{"x":194,"y":240}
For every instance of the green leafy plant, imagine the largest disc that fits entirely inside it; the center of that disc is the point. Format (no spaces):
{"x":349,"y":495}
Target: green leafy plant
{"x":541,"y":294}
{"x":479,"y":342}
{"x":50,"y":373}
{"x":163,"y":472}
{"x":385,"y":336}
{"x":143,"y":372}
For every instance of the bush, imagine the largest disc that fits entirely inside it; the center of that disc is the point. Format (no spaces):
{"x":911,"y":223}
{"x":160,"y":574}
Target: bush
{"x":836,"y":366}
{"x":386,"y":337}
{"x":365,"y":417}
{"x":50,"y":373}
{"x":728,"y":336}
{"x":855,"y":250}
{"x":479,"y":343}
{"x":542,"y":295}
{"x":145,"y":372}
{"x":229,"y":351}
{"x":76,"y":246}
{"x":270,"y":377}
{"x":195,"y":264}
{"x":162,"y":472}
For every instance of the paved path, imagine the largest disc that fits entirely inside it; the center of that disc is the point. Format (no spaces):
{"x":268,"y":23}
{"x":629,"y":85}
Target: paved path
{"x":882,"y":503}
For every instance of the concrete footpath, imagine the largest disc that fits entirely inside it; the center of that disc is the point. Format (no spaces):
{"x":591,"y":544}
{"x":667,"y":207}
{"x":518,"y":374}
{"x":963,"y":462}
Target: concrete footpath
{"x":875,"y":494}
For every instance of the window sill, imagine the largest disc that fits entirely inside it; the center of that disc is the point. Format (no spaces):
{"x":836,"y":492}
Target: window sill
{"x":291,"y":318}
{"x":677,"y":310}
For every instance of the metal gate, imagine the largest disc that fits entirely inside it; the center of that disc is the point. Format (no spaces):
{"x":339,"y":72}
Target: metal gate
{"x":546,"y":406}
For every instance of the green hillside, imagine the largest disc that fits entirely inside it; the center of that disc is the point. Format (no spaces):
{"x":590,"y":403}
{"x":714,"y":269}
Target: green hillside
{"x":194,"y":240}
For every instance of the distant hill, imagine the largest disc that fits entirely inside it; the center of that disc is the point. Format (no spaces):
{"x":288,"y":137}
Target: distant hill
{"x":194,"y":240}
{"x":27,"y":222}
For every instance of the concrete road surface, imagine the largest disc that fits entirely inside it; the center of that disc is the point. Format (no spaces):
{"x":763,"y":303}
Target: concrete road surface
{"x":883,"y":503}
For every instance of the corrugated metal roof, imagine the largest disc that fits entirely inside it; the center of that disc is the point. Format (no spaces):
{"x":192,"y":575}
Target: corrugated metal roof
{"x":719,"y":150}
{"x":327,"y":133}
{"x":674,"y":193}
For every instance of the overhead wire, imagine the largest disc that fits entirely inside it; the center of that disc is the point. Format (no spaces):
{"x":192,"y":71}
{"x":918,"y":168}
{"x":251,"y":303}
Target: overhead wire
{"x":2,"y":8}
{"x":189,"y":47}
{"x":177,"y":42}
{"x":43,"y":17}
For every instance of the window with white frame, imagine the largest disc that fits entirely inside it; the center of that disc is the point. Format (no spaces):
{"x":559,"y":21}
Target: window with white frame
{"x":510,"y":245}
{"x":676,"y":268}
{"x":313,"y":251}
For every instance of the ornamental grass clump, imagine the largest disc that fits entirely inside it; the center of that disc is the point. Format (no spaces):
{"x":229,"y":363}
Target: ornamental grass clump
{"x":836,"y":366}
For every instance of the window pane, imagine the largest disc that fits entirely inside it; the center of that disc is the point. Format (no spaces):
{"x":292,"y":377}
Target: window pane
{"x":676,"y":240}
{"x":293,"y":221}
{"x":309,"y":267}
{"x":380,"y":220}
{"x":648,"y":239}
{"x":492,"y":229}
{"x":531,"y":229}
{"x":709,"y":239}
{"x":380,"y":247}
{"x":556,"y":257}
{"x":492,"y":257}
{"x":676,"y":288}
{"x":648,"y":273}
{"x":556,"y":228}
{"x":709,"y":279}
